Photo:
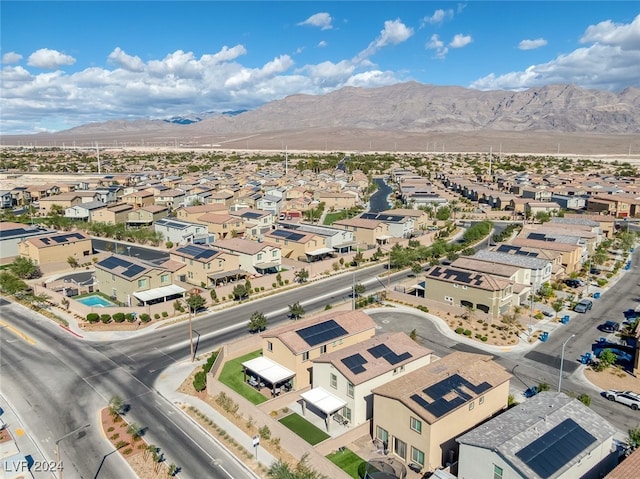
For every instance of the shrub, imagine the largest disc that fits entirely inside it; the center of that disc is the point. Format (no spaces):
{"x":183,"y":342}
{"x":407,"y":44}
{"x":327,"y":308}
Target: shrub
{"x":274,"y":285}
{"x":127,"y":451}
{"x":130,"y":317}
{"x":145,"y":318}
{"x":200,"y":381}
{"x":459,"y":330}
{"x":165,"y":314}
{"x":114,"y":436}
{"x":206,"y":367}
{"x":118,"y":317}
{"x":484,"y":339}
{"x":121,"y":444}
{"x":286,"y":281}
{"x":424,"y":309}
{"x":105,"y":318}
{"x":261,"y":288}
{"x":93,"y":317}
{"x":265,"y":432}
{"x":467,"y":332}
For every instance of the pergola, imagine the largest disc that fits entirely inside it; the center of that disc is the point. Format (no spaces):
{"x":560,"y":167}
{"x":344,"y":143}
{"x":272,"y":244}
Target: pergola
{"x":159,"y":295}
{"x":323,"y":400}
{"x":226,"y":276}
{"x":272,"y":372}
{"x":319,"y":253}
{"x":265,"y":268}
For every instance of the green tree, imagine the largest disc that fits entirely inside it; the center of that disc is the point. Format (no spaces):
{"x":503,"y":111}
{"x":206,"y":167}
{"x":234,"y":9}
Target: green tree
{"x":11,"y":284}
{"x":213,"y":295}
{"x":416,"y":268}
{"x":357,"y":258}
{"x":240,"y":292}
{"x":73,"y":262}
{"x":296,"y":311}
{"x":195,"y":302}
{"x":116,"y":405}
{"x":557,"y":306}
{"x":257,"y":322}
{"x":301,"y":276}
{"x":57,"y":210}
{"x":25,"y":268}
{"x":359,"y":289}
{"x":177,"y":306}
{"x":607,"y":358}
{"x":134,"y":431}
{"x":584,"y":399}
{"x":443,"y":213}
{"x":633,"y":438}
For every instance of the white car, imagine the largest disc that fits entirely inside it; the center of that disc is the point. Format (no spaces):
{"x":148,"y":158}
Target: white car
{"x":629,"y":398}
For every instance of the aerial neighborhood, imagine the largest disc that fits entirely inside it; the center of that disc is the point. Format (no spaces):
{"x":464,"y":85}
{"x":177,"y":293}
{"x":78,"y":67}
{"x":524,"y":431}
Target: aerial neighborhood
{"x":382,"y":265}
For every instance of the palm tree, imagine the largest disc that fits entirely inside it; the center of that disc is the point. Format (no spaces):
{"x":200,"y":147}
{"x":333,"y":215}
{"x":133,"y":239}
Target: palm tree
{"x":115,"y":405}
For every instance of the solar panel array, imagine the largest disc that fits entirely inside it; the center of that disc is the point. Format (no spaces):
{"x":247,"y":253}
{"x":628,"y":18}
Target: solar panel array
{"x":197,"y":252}
{"x":130,"y":269}
{"x":12,"y":232}
{"x":171,"y":224}
{"x":540,"y":237}
{"x":321,"y":332}
{"x":516,"y":250}
{"x":355,"y":363}
{"x":252,"y":215}
{"x":554,"y":449}
{"x":383,"y":351}
{"x":288,"y":235}
{"x":61,"y":239}
{"x":439,"y":406}
{"x":467,"y":277}
{"x":381,"y":217}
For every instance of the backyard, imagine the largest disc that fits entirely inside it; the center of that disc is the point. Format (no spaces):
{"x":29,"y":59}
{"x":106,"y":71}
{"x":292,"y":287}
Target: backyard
{"x":233,"y":377}
{"x":304,"y":429}
{"x":347,"y":460}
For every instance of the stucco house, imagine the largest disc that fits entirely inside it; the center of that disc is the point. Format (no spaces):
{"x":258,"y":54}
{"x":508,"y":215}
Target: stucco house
{"x":254,"y":257}
{"x":56,"y":248}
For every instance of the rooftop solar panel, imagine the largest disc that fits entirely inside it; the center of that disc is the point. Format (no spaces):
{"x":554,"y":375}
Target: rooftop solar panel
{"x":251,"y":215}
{"x":355,"y":363}
{"x":321,"y":332}
{"x":438,"y":406}
{"x":554,"y":449}
{"x":383,"y":351}
{"x":133,"y":270}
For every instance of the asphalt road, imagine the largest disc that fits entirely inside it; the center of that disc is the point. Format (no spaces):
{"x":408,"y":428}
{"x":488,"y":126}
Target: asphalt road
{"x":67,"y":380}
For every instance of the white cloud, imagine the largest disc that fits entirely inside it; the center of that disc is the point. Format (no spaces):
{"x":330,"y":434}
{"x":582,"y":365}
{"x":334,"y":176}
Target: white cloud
{"x":322,"y":20}
{"x":436,"y":44}
{"x":532,"y":44}
{"x":120,"y":59}
{"x":609,"y":63}
{"x":393,"y":33}
{"x":460,"y":41}
{"x":248,"y":75}
{"x":50,"y":59}
{"x":438,"y":16}
{"x":322,"y":44}
{"x":11,"y":58}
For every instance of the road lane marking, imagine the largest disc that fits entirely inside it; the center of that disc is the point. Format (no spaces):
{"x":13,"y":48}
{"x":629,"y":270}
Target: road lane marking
{"x":18,"y":333}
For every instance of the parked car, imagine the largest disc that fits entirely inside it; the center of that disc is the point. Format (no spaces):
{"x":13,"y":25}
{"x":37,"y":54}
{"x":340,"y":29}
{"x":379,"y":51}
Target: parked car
{"x":574,"y":283}
{"x":630,"y":314}
{"x":610,"y":327}
{"x":583,"y":306}
{"x":595,"y":271}
{"x":629,"y":398}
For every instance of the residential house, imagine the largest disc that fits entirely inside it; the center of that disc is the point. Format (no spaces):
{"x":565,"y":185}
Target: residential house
{"x":572,"y":254}
{"x":353,"y":372}
{"x":607,"y":224}
{"x":336,"y":201}
{"x":490,"y":294}
{"x":536,"y":194}
{"x":419,"y":415}
{"x":192,"y":213}
{"x":146,"y":215}
{"x":295,"y":345}
{"x":37,"y":192}
{"x":628,"y":468}
{"x":543,"y":265}
{"x":421,"y":219}
{"x":298,"y":245}
{"x":521,"y":277}
{"x":21,"y":196}
{"x":270,"y":203}
{"x":112,"y":215}
{"x":11,"y":234}
{"x":84,"y":211}
{"x":366,"y":231}
{"x":256,"y":222}
{"x":222,"y":197}
{"x":567,"y":202}
{"x":182,"y":232}
{"x":532,"y":208}
{"x":139,"y":199}
{"x":6,"y":199}
{"x":222,"y":225}
{"x":204,"y":265}
{"x":56,"y":248}
{"x":131,"y":281}
{"x":549,"y":436}
{"x":254,"y":257}
{"x":399,"y":226}
{"x":172,"y":199}
{"x":63,"y":201}
{"x":341,"y":241}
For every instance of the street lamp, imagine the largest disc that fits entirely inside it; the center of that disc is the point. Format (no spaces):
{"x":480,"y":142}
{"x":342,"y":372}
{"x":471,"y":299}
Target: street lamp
{"x":562,"y":360}
{"x":81,"y":428}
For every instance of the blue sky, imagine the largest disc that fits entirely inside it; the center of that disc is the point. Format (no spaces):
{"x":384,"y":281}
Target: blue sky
{"x":66,"y":64}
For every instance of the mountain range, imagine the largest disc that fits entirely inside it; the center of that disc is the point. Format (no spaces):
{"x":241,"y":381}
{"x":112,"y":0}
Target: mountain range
{"x":405,"y":110}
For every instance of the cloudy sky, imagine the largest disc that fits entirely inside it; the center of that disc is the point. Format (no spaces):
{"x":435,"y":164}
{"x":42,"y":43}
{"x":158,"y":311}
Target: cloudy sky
{"x":66,"y":64}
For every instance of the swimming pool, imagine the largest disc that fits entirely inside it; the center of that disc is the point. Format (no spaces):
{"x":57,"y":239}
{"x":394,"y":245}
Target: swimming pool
{"x":95,"y":301}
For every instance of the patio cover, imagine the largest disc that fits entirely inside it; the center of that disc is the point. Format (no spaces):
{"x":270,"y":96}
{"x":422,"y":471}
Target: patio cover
{"x":227,"y":274}
{"x":384,"y":237}
{"x":420,"y":286}
{"x":269,"y":370}
{"x":320,"y":251}
{"x":158,"y":293}
{"x":273,"y":264}
{"x":323,"y":400}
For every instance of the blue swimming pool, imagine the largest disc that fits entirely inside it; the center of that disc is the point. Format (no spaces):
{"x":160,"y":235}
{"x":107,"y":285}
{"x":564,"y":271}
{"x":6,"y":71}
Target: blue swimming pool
{"x":95,"y":301}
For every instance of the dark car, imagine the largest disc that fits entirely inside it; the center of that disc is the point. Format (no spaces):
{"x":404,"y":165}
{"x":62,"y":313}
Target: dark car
{"x":595,"y":271}
{"x":573,"y":283}
{"x":610,"y":327}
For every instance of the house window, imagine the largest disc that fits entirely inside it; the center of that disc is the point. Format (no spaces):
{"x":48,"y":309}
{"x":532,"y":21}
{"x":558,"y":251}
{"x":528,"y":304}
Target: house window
{"x":350,"y":389}
{"x":471,"y":405}
{"x":346,"y":413}
{"x":497,"y":472}
{"x":219,"y":263}
{"x":259,"y":256}
{"x":305,"y":356}
{"x":269,"y":346}
{"x":323,"y":349}
{"x":164,"y":278}
{"x":400,"y":448}
{"x":455,"y":285}
{"x":334,"y":381}
{"x":274,"y":253}
{"x":416,"y":425}
{"x":382,"y":434}
{"x":464,"y":287}
{"x":417,"y":456}
{"x":142,"y":283}
{"x":190,"y":262}
{"x":481,"y":400}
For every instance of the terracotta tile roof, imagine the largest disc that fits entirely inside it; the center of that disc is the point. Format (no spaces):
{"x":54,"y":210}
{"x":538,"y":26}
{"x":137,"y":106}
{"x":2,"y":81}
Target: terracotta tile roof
{"x":352,"y":321}
{"x":475,"y":368}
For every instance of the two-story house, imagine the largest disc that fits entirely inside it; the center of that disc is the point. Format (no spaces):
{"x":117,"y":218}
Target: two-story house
{"x":204,"y":265}
{"x":146,"y":215}
{"x":298,"y":245}
{"x":254,"y":257}
{"x":182,"y":232}
{"x":56,"y":248}
{"x":366,"y":231}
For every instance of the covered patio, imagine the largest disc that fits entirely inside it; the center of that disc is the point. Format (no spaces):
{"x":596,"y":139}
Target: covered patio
{"x":319,"y":254}
{"x":267,"y":268}
{"x":325,"y":402}
{"x":343,"y":248}
{"x":383,"y":239}
{"x":159,"y":295}
{"x":226,"y":277}
{"x":263,"y":370}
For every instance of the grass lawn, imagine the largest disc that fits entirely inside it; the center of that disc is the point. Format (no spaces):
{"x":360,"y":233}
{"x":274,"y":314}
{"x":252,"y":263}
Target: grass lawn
{"x":232,"y":376}
{"x":330,"y":218}
{"x":347,"y":460}
{"x":304,"y":429}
